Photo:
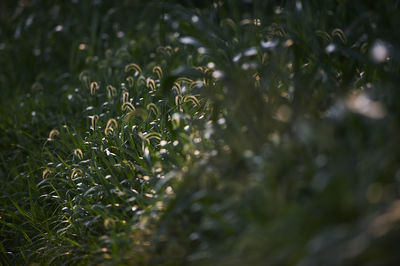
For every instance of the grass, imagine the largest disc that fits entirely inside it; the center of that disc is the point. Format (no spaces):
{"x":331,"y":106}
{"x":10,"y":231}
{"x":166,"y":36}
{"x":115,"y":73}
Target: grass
{"x":228,"y":133}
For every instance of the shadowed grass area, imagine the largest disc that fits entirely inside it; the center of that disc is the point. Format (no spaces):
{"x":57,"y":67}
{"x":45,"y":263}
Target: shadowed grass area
{"x":182,"y":132}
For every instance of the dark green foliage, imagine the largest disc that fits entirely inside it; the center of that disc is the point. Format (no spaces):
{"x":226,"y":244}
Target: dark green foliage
{"x":254,"y":132}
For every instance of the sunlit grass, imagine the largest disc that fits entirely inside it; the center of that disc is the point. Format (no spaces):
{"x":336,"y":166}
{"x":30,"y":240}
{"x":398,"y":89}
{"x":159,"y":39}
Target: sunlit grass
{"x":236,"y":133}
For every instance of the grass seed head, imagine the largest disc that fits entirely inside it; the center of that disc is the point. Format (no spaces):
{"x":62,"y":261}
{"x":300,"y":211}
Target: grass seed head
{"x":125,"y":97}
{"x":111,"y":91}
{"x":133,"y":66}
{"x":153,"y":108}
{"x":93,"y":87}
{"x":53,"y":133}
{"x":178,"y":100}
{"x":193,"y":99}
{"x":75,"y":172}
{"x":323,"y":34}
{"x":131,"y":81}
{"x":112,"y":123}
{"x":151,"y":84}
{"x":153,"y":135}
{"x":93,"y":121}
{"x":128,"y":106}
{"x":177,"y":88}
{"x":110,"y":126}
{"x":339,"y":33}
{"x":46,"y":172}
{"x":78,"y":153}
{"x":85,"y":79}
{"x":158,"y":71}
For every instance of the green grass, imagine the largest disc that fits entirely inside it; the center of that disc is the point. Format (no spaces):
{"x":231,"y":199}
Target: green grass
{"x":174,"y":133}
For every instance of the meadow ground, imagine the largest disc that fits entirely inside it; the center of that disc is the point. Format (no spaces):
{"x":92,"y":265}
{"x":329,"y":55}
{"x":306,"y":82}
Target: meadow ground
{"x":199,"y":132}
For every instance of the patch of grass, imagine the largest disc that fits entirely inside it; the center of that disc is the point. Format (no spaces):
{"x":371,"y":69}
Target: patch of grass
{"x":232,"y":132}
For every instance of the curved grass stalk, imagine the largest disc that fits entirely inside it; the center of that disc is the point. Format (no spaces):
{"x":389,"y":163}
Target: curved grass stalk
{"x":177,"y":87}
{"x":93,"y":87}
{"x":112,"y":91}
{"x":93,"y":121}
{"x":112,"y":123}
{"x":53,"y":133}
{"x":196,"y":82}
{"x":339,"y":33}
{"x":76,"y":171}
{"x":78,"y":153}
{"x":128,"y":106}
{"x":84,"y":78}
{"x":364,"y":48}
{"x":110,"y":126}
{"x":129,"y":164}
{"x":229,"y":22}
{"x":150,"y":83}
{"x":153,"y":135}
{"x":191,"y":98}
{"x":277,"y":30}
{"x":144,"y":140}
{"x":108,"y":131}
{"x":178,"y":100}
{"x":166,"y":50}
{"x":133,"y":66}
{"x":46,"y":172}
{"x":185,"y":79}
{"x":158,"y":71}
{"x":142,"y":80}
{"x":152,"y":107}
{"x":324,"y":35}
{"x":131,"y":81}
{"x":37,"y":86}
{"x":125,"y":97}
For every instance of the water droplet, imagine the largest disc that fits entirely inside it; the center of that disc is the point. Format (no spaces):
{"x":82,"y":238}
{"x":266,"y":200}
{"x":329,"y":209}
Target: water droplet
{"x":59,"y":28}
{"x":201,"y":50}
{"x":278,"y":10}
{"x":163,"y":143}
{"x":217,"y":74}
{"x":379,"y":51}
{"x":269,"y":44}
{"x":288,"y":43}
{"x":211,"y":65}
{"x":299,"y":5}
{"x":188,"y":40}
{"x":195,"y":19}
{"x":250,"y":52}
{"x":330,"y":48}
{"x":237,"y":57}
{"x":82,"y":46}
{"x":221,"y":121}
{"x":359,"y":102}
